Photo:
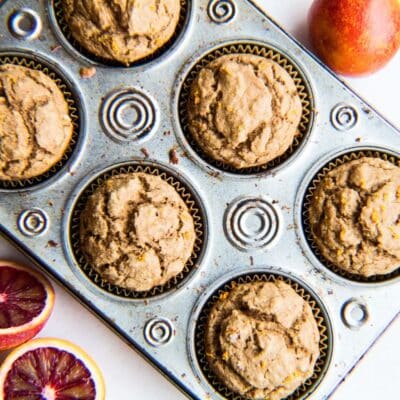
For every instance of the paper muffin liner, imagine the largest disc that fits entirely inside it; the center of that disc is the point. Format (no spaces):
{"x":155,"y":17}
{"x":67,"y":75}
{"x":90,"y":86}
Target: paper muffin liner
{"x":303,"y":89}
{"x":319,"y":313}
{"x":72,"y":101}
{"x":193,"y":206}
{"x":305,"y":212}
{"x":64,"y":27}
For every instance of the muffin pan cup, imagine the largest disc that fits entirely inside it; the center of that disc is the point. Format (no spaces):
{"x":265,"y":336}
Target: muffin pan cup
{"x":270,"y":53}
{"x":75,"y":110}
{"x":64,"y":33}
{"x":262,"y":206}
{"x":187,"y":194}
{"x":324,"y":169}
{"x":196,"y":345}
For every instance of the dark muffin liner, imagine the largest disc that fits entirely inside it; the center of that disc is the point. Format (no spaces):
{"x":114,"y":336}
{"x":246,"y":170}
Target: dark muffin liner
{"x":187,"y":196}
{"x":64,"y":27}
{"x":319,"y":313}
{"x":269,"y":53}
{"x":305,"y":212}
{"x":73,"y":111}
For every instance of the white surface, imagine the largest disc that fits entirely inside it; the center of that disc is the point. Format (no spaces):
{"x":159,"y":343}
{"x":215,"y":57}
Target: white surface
{"x":129,"y":377}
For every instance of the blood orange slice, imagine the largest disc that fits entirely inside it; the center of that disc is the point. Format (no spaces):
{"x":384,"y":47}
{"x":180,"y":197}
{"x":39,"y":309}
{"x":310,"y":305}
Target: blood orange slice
{"x":26,"y":302}
{"x":50,"y":369}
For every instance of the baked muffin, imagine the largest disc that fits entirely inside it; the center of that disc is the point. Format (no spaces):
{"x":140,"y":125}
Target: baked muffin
{"x":244,"y":110}
{"x":35,"y":127}
{"x":355,"y":216}
{"x":262,"y":340}
{"x":123,"y":31}
{"x":136,"y":231}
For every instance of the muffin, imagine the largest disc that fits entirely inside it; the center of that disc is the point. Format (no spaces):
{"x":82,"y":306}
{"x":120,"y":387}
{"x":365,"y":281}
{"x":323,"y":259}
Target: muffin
{"x":136,"y":231}
{"x":244,"y":110}
{"x":119,"y":30}
{"x":35,"y":127}
{"x":262,"y":340}
{"x":355,"y":216}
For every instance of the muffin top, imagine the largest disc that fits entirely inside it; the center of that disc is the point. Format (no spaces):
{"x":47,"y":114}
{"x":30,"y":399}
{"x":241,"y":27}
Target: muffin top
{"x":121,"y":30}
{"x":136,"y":231}
{"x":355,"y":216}
{"x":262,"y":340}
{"x":244,"y":110}
{"x":35,"y":127}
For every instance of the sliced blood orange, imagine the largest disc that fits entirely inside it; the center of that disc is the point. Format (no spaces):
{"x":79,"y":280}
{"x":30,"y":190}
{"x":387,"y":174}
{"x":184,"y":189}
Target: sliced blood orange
{"x":26,"y":302}
{"x":50,"y":369}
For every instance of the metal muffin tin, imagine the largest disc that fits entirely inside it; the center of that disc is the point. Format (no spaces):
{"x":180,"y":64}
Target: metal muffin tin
{"x":253,"y":221}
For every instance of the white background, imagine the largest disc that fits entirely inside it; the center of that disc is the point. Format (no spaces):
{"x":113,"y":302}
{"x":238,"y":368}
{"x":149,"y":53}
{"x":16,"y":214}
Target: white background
{"x":129,"y":377}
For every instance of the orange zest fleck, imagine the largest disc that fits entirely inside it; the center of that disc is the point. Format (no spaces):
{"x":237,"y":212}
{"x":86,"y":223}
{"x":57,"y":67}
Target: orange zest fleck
{"x":223,"y":295}
{"x":375,"y":216}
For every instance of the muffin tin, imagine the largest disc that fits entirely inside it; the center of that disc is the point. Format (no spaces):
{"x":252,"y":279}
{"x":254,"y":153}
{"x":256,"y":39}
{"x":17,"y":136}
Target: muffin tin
{"x":251,"y":225}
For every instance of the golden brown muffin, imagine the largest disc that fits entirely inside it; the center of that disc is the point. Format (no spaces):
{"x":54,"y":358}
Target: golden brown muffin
{"x":136,"y":231}
{"x":355,"y":216}
{"x":35,"y":127}
{"x":262,"y":340}
{"x":244,"y":110}
{"x":122,"y":30}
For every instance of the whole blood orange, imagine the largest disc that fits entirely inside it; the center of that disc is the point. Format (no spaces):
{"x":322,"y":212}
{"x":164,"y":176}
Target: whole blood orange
{"x":50,"y":369}
{"x":355,"y":37}
{"x":26,"y":302}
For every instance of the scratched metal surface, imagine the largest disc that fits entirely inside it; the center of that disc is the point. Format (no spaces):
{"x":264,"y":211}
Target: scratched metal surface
{"x":283,"y":189}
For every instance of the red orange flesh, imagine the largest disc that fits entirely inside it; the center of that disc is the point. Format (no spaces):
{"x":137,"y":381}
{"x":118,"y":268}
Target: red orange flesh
{"x":26,"y":302}
{"x":50,"y":369}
